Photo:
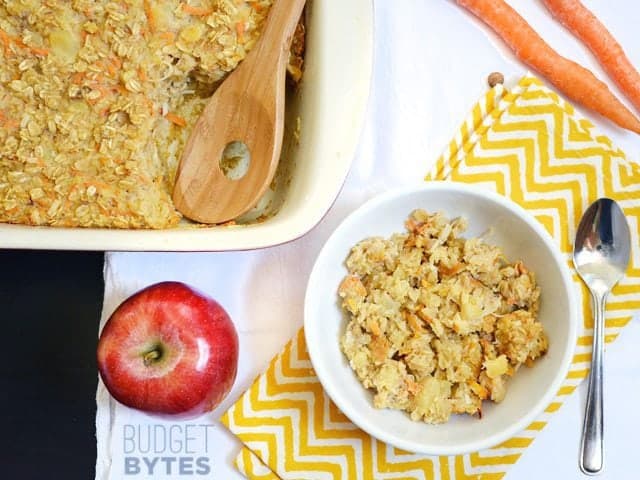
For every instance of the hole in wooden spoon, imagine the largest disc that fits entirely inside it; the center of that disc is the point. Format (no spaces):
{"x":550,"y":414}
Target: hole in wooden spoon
{"x":235,"y":160}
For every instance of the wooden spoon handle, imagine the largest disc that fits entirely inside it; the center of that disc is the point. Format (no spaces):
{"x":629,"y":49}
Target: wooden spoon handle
{"x":265,"y":61}
{"x":281,"y":24}
{"x":247,"y":107}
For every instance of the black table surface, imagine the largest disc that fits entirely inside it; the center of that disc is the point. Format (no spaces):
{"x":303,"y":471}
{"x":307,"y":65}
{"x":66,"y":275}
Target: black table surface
{"x":51,"y":303}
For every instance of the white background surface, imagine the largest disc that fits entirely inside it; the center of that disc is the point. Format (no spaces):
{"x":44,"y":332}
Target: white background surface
{"x":431,"y":62}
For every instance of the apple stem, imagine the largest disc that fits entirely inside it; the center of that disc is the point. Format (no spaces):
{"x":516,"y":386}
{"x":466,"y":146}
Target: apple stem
{"x":151,"y":356}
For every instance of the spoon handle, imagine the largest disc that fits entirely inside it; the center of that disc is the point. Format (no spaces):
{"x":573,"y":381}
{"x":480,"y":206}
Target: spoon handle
{"x":281,"y":25}
{"x":592,"y":448}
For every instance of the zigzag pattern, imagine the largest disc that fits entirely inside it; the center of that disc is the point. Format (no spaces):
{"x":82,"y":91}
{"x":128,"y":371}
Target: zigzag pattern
{"x":300,"y":434}
{"x":529,"y":145}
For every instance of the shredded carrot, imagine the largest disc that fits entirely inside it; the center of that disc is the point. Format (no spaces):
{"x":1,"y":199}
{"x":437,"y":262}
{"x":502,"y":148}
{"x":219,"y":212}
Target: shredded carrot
{"x":35,"y":50}
{"x":6,"y":122}
{"x":112,"y":66}
{"x":257,"y":6}
{"x":586,"y":26}
{"x":77,"y":77}
{"x":100,"y":65}
{"x":197,"y":11}
{"x":571,"y":78}
{"x":240,"y":29}
{"x":117,"y":63}
{"x":6,"y":41}
{"x":176,"y":119}
{"x":39,"y":51}
{"x":151,"y":18}
{"x":142,"y":75}
{"x":168,"y":36}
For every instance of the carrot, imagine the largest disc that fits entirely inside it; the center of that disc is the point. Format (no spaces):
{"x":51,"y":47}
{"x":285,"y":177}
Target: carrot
{"x":240,"y":29}
{"x":38,"y":51}
{"x":116,"y":62}
{"x":77,"y":77}
{"x":575,"y":81}
{"x":197,"y":11}
{"x":151,"y":18}
{"x":35,"y":50}
{"x":6,"y":122}
{"x":586,"y":26}
{"x":168,"y":36}
{"x":142,"y":75}
{"x":6,"y":41}
{"x":100,"y":65}
{"x":113,"y":65}
{"x":176,"y":119}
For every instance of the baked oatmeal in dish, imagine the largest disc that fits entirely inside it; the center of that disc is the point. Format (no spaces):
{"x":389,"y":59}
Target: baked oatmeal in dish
{"x":97,"y":99}
{"x":438,"y":323}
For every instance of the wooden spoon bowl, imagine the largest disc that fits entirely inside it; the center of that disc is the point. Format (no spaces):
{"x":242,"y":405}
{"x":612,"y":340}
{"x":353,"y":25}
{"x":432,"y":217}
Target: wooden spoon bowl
{"x":248,"y":107}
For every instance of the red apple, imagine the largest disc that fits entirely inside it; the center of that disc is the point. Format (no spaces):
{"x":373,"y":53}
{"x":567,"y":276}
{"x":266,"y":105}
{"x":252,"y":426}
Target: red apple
{"x":169,"y":349}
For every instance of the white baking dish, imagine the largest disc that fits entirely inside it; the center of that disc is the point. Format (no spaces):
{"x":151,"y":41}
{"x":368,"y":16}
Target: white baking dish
{"x":330,"y":105}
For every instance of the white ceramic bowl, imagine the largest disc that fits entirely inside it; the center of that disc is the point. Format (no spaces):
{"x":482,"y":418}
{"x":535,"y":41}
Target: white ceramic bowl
{"x":521,"y":237}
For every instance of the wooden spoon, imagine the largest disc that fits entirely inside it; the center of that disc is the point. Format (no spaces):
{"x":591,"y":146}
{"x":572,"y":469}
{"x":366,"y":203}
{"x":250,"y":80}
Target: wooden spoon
{"x":248,"y":107}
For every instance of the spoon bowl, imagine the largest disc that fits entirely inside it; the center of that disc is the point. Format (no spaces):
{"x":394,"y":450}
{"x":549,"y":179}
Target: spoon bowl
{"x":601,"y":254}
{"x":603,"y":245}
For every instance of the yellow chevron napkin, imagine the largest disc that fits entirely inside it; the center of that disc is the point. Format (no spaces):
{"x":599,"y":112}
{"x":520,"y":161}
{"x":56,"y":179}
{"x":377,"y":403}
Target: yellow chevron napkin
{"x":529,"y":145}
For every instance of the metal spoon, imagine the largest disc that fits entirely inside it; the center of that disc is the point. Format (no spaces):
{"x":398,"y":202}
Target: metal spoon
{"x":601,"y":255}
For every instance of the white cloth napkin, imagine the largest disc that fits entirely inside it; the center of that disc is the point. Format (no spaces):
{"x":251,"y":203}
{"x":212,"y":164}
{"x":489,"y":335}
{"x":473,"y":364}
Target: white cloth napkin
{"x":431,"y":61}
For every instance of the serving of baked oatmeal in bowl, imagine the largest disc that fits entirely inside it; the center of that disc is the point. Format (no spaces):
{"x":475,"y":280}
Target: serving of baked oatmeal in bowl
{"x":440,"y":318}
